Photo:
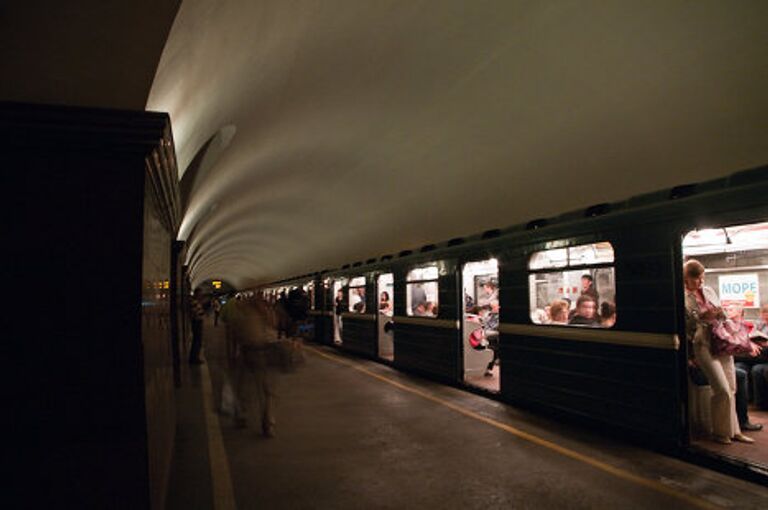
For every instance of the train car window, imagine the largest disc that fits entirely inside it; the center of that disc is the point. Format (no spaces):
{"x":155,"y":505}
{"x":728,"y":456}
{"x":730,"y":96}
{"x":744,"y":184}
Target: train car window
{"x":421,"y":291}
{"x":357,"y":295}
{"x":573,"y":286}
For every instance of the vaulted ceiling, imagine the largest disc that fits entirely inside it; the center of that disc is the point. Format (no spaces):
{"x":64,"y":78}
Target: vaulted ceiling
{"x":311,"y":134}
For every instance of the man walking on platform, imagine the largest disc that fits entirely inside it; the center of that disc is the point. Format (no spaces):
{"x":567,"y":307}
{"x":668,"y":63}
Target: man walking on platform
{"x":197,"y":312}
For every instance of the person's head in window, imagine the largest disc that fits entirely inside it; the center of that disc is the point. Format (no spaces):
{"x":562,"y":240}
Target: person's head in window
{"x":693,"y":275}
{"x":607,"y":314}
{"x":588,"y":285}
{"x":430,"y":309}
{"x":339,"y":296}
{"x":586,"y":311}
{"x":420,"y":310}
{"x":735,"y":312}
{"x":384,"y":300}
{"x":558,"y":311}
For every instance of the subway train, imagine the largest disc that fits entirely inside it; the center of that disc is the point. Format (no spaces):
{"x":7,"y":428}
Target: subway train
{"x":504,"y":312}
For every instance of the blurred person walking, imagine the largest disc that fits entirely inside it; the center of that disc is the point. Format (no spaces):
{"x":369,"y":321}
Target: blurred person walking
{"x":252,"y":342}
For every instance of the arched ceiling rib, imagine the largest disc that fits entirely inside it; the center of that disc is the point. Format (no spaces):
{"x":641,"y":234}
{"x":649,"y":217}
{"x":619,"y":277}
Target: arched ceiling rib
{"x":365,"y":128}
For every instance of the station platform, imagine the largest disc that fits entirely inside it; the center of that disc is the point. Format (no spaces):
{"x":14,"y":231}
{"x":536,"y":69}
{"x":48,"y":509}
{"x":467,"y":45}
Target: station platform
{"x":352,"y":433}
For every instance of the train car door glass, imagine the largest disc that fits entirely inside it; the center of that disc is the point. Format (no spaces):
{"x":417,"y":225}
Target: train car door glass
{"x":574,"y":286}
{"x":356,"y":301}
{"x":309,"y":288}
{"x":480,"y":324}
{"x":735,"y":286}
{"x":385,"y":304}
{"x":421,"y":292}
{"x":338,"y":308}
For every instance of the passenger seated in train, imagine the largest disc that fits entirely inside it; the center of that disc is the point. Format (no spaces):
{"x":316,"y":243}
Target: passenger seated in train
{"x":558,"y":312}
{"x":490,"y":295}
{"x":607,"y":314}
{"x":430,"y":309}
{"x":586,"y":312}
{"x":420,"y":310}
{"x":385,"y":304}
{"x":418,"y":297}
{"x":743,"y":366}
{"x":469,"y":302}
{"x":759,"y":368}
{"x":359,"y":300}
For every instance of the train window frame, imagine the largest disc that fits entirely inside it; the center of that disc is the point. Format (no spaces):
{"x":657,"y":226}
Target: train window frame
{"x":353,"y":287}
{"x":428,"y":274}
{"x":569,"y":263}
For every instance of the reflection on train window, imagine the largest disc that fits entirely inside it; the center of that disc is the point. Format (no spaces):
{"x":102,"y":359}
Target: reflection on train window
{"x":357,"y":295}
{"x":573,"y":286}
{"x":736,"y":262}
{"x":421,"y":291}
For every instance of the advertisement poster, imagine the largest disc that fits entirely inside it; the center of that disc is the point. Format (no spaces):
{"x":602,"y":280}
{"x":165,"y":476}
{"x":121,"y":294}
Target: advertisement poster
{"x":740,"y":289}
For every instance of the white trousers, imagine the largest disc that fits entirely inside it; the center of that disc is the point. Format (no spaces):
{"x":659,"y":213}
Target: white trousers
{"x":721,"y":375}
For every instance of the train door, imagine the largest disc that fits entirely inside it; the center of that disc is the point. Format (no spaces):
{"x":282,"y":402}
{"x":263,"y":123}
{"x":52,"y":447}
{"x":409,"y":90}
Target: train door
{"x":385,"y":305}
{"x":338,"y":309}
{"x":725,"y":274}
{"x":480,"y":324}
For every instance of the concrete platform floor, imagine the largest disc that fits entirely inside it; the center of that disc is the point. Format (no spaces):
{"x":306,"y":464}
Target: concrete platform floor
{"x":356,"y":434}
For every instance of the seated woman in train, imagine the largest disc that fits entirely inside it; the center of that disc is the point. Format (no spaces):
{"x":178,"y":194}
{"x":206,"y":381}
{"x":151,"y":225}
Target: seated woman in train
{"x":607,"y":314}
{"x":420,"y":310}
{"x":385,"y":304}
{"x":558,"y":312}
{"x":586,"y":312}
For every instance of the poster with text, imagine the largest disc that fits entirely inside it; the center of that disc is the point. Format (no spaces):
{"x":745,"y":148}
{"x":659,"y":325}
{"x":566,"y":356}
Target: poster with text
{"x":739,"y":289}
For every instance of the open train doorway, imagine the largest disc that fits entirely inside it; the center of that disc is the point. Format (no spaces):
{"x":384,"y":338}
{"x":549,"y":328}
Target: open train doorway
{"x":385,"y":305}
{"x":725,"y":273}
{"x":338,"y":309}
{"x":480,"y":324}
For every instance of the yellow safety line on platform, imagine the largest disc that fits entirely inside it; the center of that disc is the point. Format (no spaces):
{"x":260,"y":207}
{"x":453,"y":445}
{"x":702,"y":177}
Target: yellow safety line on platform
{"x":618,"y":472}
{"x":223,"y":492}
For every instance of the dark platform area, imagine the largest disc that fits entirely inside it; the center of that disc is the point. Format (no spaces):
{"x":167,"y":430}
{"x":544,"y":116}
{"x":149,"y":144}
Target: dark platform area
{"x":357,"y":434}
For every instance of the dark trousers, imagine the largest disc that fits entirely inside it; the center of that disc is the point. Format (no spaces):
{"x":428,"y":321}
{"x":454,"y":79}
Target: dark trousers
{"x":493,"y":344}
{"x":197,"y":341}
{"x":742,"y":393}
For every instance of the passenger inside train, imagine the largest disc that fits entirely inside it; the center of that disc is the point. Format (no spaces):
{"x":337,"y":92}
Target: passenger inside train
{"x":580,"y":278}
{"x":385,"y":303}
{"x":726,"y":281}
{"x":422,"y":292}
{"x":481,"y":324}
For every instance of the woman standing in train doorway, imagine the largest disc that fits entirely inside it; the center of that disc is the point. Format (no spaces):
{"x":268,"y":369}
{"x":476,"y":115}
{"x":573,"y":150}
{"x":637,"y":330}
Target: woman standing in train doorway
{"x":702,"y":307}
